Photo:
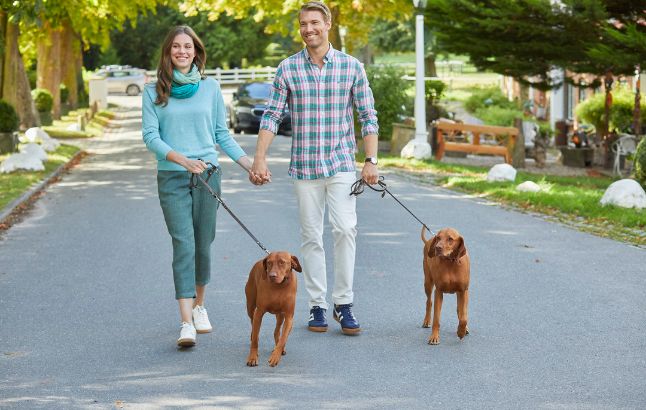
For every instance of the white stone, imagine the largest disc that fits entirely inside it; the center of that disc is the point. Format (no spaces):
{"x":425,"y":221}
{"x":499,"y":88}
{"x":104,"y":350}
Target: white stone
{"x":73,"y":127}
{"x":416,"y":149}
{"x":36,"y":134}
{"x":528,"y":186}
{"x":50,"y":144}
{"x":502,"y":172}
{"x":626,"y":193}
{"x":21,"y":161}
{"x":34,"y":150}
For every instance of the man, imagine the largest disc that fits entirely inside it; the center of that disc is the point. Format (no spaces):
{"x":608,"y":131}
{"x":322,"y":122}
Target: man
{"x":321,"y":85}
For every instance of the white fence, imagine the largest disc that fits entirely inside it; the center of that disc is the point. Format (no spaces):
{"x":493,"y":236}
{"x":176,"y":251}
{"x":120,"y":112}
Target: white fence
{"x":234,"y":75}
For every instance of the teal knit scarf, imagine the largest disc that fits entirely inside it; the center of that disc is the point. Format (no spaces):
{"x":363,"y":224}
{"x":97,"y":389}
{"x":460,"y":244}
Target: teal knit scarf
{"x":185,"y":85}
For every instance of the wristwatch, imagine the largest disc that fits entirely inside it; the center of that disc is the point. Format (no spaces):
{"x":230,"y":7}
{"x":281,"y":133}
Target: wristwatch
{"x":372,"y":160}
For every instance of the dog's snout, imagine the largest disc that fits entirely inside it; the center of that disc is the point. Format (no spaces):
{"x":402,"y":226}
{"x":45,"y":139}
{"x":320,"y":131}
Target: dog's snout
{"x":273,"y":274}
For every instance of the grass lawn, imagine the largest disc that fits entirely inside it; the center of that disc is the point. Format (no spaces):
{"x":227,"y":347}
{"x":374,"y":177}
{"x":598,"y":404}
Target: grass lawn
{"x":14,"y":184}
{"x":571,"y":200}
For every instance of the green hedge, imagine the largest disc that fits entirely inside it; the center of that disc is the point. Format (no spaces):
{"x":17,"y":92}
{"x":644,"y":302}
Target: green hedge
{"x":591,"y":111}
{"x":389,"y":91}
{"x":9,"y":120}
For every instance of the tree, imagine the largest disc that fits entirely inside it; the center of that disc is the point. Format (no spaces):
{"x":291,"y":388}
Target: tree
{"x":227,"y":40}
{"x":14,"y":85}
{"x":526,"y":39}
{"x":358,"y":16}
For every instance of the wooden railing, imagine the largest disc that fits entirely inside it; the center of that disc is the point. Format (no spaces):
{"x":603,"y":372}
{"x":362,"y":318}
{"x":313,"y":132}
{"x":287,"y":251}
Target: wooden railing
{"x":475,"y":139}
{"x":234,"y":75}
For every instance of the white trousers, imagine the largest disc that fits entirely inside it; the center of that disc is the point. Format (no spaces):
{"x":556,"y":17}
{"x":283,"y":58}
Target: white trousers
{"x":312,"y":197}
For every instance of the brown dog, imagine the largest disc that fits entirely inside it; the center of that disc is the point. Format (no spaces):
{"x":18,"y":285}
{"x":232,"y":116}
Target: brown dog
{"x":271,"y":287}
{"x":447,"y":268}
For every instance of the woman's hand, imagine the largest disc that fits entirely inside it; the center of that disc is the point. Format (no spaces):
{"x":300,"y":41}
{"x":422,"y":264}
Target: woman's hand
{"x":195,"y":166}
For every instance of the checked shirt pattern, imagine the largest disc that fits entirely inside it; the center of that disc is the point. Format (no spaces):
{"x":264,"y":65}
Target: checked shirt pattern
{"x":320,"y":100}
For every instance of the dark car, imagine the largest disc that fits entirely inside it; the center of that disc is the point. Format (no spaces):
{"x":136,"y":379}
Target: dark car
{"x":249,"y":103}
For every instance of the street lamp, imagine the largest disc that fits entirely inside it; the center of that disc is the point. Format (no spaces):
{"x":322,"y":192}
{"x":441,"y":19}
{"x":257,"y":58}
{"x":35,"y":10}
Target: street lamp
{"x":419,"y":147}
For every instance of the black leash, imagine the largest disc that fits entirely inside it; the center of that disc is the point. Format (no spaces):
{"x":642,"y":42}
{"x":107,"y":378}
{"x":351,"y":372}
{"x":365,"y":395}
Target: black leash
{"x":210,"y":171}
{"x":358,"y":187}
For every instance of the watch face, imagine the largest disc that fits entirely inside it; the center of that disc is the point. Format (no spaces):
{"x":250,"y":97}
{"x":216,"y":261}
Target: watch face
{"x":372,"y":160}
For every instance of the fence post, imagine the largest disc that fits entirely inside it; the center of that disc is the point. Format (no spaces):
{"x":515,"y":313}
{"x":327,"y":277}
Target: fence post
{"x":518,"y":149}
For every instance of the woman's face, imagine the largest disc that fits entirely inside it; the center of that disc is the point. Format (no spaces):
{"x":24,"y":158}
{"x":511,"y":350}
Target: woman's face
{"x":182,"y":52}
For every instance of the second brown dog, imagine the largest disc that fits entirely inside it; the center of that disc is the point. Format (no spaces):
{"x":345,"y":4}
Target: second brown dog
{"x":271,"y":287}
{"x":447,"y":268}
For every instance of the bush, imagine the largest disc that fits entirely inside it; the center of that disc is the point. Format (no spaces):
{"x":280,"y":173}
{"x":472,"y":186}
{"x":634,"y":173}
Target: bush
{"x":640,"y":162}
{"x":389,"y":90}
{"x":43,"y":99}
{"x":591,"y":111}
{"x":500,"y":116}
{"x":487,"y":97}
{"x":9,"y":120}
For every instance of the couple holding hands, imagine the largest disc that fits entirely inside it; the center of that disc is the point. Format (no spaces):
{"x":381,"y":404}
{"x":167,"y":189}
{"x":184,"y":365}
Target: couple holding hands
{"x":184,"y":119}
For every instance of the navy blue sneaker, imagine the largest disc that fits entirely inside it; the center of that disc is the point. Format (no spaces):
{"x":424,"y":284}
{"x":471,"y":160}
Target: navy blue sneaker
{"x":343,"y":314}
{"x":317,"y":322}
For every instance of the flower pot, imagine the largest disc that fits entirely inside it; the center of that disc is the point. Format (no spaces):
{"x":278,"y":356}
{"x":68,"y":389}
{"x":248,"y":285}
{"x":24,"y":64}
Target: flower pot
{"x":8,"y":142}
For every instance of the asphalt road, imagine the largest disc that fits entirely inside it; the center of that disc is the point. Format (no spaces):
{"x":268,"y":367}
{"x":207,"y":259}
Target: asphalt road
{"x":88,"y":317}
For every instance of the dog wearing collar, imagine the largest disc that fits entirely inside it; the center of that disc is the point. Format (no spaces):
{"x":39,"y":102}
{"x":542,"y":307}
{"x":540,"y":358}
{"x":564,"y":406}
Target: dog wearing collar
{"x":271,"y":288}
{"x":447,"y":269}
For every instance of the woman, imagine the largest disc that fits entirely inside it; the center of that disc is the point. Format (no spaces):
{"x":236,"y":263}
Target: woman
{"x":183,"y":119}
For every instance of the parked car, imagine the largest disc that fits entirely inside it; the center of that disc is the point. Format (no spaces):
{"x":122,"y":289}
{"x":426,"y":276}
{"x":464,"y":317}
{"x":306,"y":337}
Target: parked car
{"x":124,"y":79}
{"x":249,"y":103}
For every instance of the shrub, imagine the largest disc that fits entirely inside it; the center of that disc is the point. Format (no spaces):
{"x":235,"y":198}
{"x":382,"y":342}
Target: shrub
{"x":640,"y":162}
{"x":591,"y":111}
{"x":501,"y":116}
{"x":65,"y":93}
{"x":487,"y":97}
{"x":43,"y":99}
{"x":9,"y":120}
{"x":389,"y":91}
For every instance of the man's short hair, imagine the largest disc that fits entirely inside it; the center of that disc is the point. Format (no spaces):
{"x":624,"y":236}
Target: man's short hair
{"x":317,"y":6}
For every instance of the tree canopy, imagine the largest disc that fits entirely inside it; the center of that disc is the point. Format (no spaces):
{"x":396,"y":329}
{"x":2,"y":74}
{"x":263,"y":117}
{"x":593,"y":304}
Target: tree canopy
{"x":527,"y":39}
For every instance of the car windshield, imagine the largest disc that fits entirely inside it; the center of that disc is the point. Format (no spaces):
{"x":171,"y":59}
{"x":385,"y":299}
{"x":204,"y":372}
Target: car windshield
{"x":256,"y":90}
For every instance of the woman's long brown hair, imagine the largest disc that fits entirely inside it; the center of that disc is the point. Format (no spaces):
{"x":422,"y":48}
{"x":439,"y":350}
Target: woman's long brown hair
{"x":165,"y":67}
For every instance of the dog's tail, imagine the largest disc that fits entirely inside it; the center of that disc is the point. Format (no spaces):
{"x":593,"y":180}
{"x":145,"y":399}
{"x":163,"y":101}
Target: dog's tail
{"x":424,"y":228}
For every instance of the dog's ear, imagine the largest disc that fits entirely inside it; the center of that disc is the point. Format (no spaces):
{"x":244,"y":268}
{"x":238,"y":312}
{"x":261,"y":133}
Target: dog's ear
{"x":460,"y":250}
{"x":431,"y":248}
{"x":264,"y":268}
{"x":296,"y":265}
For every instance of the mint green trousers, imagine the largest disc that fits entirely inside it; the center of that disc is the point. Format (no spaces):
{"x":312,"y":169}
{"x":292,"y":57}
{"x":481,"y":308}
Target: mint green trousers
{"x":190,"y":215}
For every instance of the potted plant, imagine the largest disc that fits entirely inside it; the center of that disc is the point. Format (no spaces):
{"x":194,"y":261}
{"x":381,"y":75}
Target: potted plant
{"x":44,"y":103}
{"x":9,"y":122}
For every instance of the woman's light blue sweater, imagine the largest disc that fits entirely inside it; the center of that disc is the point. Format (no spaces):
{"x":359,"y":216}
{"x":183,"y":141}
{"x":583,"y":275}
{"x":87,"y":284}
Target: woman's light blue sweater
{"x":190,"y":126}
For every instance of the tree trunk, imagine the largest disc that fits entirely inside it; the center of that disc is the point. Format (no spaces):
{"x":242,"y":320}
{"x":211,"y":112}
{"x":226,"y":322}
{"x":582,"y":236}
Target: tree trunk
{"x":15,"y":85}
{"x":429,"y":66}
{"x":49,"y":67}
{"x":637,"y":112}
{"x":335,"y":34}
{"x":3,"y":36}
{"x":70,"y":49}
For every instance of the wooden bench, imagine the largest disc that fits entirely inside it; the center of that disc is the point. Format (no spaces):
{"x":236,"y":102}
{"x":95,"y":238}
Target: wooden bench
{"x":504,"y":139}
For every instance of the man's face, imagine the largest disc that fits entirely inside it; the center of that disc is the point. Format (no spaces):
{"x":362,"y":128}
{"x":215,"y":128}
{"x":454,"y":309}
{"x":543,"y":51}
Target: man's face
{"x":314,"y":30}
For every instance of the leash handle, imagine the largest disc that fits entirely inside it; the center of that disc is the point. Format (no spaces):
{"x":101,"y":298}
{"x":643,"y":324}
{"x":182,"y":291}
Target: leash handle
{"x":210,"y":172}
{"x":358,"y":188}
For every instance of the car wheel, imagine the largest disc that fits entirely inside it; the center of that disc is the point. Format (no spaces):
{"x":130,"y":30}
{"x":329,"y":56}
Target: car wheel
{"x":132,"y":90}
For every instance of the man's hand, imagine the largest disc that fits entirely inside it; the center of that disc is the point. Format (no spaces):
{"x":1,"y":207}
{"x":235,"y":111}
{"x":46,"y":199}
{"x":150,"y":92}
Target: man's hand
{"x":370,"y":173}
{"x":259,"y":174}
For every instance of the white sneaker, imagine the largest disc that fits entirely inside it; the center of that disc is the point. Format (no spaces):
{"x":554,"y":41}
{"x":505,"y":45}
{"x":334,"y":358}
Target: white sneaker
{"x":186,"y":335}
{"x":201,"y":320}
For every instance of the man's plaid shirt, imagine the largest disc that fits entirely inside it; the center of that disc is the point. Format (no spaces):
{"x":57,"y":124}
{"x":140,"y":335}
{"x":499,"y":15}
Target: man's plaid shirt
{"x":320,"y":100}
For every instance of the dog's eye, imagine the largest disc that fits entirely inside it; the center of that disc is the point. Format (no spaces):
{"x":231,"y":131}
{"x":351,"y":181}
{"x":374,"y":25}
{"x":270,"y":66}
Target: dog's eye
{"x":450,"y":239}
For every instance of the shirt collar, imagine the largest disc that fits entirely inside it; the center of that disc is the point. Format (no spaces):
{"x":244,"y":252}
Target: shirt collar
{"x":327,"y":58}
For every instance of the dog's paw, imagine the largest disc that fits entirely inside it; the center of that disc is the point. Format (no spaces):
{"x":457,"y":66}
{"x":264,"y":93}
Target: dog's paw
{"x":252,"y":360}
{"x":284,"y":353}
{"x":462,"y":330}
{"x":426,"y":324}
{"x":434,"y":340}
{"x":274,"y":359}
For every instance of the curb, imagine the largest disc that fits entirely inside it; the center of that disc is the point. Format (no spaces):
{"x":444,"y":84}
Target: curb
{"x":8,"y":211}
